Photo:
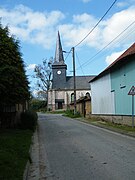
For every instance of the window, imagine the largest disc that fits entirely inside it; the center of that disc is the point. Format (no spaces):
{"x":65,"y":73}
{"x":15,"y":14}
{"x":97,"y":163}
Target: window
{"x":72,"y":97}
{"x":88,"y":94}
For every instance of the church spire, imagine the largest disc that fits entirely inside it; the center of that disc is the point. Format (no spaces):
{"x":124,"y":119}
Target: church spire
{"x":58,"y":52}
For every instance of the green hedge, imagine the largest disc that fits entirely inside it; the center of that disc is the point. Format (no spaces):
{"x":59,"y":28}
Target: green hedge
{"x":38,"y":105}
{"x":28,"y":120}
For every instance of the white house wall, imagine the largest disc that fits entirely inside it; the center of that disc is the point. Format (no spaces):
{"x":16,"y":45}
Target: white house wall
{"x":102,"y":97}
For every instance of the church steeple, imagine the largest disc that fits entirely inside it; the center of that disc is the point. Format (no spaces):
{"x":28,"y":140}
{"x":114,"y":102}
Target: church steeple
{"x":58,"y":52}
{"x":59,"y":67}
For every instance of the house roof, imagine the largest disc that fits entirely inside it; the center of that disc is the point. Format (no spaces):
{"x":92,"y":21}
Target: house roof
{"x":82,"y":82}
{"x":130,"y":51}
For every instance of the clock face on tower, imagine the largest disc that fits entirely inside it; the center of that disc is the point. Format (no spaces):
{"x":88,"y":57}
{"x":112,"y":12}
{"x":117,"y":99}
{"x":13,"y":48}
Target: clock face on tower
{"x":58,"y":72}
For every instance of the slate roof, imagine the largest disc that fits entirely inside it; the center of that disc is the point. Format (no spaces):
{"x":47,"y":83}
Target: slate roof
{"x":59,"y":59}
{"x":130,"y":51}
{"x":82,"y":82}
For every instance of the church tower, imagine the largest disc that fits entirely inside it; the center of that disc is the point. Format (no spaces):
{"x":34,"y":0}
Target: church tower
{"x":59,"y":67}
{"x":61,"y":94}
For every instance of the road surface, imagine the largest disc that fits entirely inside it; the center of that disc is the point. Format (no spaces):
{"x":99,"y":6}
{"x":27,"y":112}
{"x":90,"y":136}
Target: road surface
{"x":72,"y":150}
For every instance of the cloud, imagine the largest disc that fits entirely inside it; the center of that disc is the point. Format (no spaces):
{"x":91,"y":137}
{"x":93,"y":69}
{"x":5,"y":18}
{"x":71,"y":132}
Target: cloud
{"x":85,"y":19}
{"x":31,"y":26}
{"x":31,"y":67}
{"x":77,"y":30}
{"x":117,"y":23}
{"x":122,"y":4}
{"x":41,"y":27}
{"x":110,"y":59}
{"x":103,"y":34}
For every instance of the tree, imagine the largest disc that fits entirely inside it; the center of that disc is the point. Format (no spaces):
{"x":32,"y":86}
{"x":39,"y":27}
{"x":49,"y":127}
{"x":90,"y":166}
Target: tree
{"x":43,"y":73}
{"x":14,"y":85}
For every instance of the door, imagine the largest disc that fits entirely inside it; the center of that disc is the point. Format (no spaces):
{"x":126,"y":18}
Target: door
{"x":60,"y":105}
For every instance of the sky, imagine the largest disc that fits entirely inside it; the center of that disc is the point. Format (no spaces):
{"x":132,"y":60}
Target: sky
{"x":36,"y":24}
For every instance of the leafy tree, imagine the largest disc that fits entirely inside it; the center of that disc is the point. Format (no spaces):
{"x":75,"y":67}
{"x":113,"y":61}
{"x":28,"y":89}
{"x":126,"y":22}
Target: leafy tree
{"x":43,"y":73}
{"x":38,"y":105}
{"x":13,"y":81}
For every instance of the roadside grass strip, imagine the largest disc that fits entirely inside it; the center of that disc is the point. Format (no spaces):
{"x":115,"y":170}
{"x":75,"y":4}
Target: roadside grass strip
{"x":14,"y":153}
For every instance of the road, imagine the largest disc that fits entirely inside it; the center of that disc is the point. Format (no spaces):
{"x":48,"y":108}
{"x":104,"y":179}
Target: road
{"x":72,"y":150}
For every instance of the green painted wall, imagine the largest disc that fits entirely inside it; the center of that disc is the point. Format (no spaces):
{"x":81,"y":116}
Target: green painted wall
{"x":122,"y":79}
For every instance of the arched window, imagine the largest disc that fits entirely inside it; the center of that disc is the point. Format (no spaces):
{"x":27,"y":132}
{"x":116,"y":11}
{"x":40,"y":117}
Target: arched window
{"x":72,"y":97}
{"x":88,"y":94}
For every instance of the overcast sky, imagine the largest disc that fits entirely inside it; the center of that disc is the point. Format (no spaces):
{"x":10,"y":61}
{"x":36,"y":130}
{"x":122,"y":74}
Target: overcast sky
{"x":36,"y":23}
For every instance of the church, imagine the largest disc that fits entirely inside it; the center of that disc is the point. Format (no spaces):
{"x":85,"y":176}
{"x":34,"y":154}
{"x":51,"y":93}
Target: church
{"x":61,"y":94}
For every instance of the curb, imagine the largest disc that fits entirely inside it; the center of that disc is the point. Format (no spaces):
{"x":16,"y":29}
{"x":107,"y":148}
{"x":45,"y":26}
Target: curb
{"x":109,"y":128}
{"x":32,"y":168}
{"x":26,"y":171}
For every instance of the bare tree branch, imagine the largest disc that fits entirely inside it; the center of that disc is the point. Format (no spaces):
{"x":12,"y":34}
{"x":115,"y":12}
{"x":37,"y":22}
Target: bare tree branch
{"x":43,"y":73}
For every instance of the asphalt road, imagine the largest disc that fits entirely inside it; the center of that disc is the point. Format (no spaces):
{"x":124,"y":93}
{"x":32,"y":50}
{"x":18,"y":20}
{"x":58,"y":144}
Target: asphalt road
{"x":71,"y":150}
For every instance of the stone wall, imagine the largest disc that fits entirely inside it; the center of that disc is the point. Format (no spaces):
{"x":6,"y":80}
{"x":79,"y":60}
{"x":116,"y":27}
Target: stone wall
{"x":125,"y":120}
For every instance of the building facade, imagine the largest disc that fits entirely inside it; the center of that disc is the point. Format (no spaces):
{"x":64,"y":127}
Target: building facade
{"x":110,"y":88}
{"x":62,"y":92}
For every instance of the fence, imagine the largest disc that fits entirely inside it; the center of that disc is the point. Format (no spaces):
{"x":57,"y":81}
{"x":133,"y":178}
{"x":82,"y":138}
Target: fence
{"x":10,"y":114}
{"x":83,"y":106}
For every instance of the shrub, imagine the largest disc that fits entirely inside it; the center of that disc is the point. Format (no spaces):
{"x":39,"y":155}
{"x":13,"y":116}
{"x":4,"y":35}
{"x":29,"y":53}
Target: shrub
{"x":70,"y":113}
{"x":38,"y":105}
{"x":28,"y":120}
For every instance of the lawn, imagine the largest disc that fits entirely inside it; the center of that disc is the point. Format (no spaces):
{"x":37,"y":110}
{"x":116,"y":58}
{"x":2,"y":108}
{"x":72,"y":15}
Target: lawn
{"x":14,"y":153}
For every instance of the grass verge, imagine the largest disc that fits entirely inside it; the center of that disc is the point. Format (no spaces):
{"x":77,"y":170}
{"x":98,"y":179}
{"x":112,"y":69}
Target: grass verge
{"x":67,"y":113}
{"x":14,"y":153}
{"x":55,"y":112}
{"x":124,"y":129}
{"x":70,"y":113}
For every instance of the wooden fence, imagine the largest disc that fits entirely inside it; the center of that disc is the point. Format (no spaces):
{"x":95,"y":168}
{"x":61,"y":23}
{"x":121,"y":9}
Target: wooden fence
{"x":10,"y":114}
{"x":83,"y":106}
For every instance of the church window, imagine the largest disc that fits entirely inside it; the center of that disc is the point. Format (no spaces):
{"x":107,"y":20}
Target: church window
{"x":88,"y":94}
{"x":72,"y":97}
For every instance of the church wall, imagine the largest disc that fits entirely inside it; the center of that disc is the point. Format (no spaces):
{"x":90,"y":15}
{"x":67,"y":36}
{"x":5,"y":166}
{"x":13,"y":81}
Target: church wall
{"x":51,"y":100}
{"x":54,"y":95}
{"x":79,"y":93}
{"x":59,"y":95}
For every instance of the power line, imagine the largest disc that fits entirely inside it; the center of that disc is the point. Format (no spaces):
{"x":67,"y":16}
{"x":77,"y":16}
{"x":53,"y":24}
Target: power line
{"x":96,"y":24}
{"x":81,"y":68}
{"x":92,"y":28}
{"x":67,"y":54}
{"x":92,"y":58}
{"x":87,"y":62}
{"x":80,"y":64}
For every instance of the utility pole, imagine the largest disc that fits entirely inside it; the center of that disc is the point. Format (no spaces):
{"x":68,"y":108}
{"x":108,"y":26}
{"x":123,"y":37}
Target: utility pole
{"x":73,"y":55}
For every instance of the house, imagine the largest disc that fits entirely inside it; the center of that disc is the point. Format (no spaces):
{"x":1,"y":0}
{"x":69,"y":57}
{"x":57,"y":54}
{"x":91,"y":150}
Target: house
{"x":62,"y":92}
{"x":110,"y":89}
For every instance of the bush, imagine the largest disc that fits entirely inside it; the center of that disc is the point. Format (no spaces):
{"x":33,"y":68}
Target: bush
{"x":38,"y":105}
{"x":70,"y":113}
{"x":28,"y":120}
